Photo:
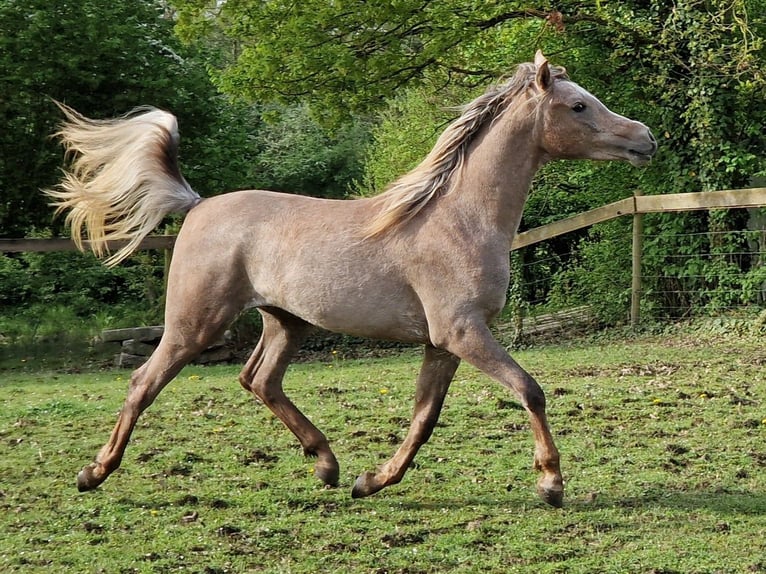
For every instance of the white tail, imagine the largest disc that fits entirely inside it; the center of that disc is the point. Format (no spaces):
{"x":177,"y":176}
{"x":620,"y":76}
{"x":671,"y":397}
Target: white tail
{"x":123,"y":179}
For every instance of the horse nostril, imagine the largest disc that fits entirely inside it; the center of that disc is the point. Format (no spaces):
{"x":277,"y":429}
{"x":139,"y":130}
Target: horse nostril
{"x":652,"y":139}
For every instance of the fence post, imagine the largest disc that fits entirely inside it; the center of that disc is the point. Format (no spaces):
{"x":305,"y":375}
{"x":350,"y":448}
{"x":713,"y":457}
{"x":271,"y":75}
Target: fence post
{"x":168,"y":256}
{"x":635,"y":288}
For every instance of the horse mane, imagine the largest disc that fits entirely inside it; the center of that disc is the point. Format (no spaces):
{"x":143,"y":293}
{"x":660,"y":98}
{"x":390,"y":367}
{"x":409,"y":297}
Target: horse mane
{"x":408,"y":195}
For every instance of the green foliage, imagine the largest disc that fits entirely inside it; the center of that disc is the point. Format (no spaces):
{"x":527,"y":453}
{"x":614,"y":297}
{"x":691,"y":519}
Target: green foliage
{"x":406,"y":131}
{"x":103,"y":58}
{"x":64,"y":291}
{"x":700,"y":85}
{"x":298,"y":155}
{"x":706,"y":91}
{"x":217,"y":152}
{"x":693,"y":72}
{"x":691,"y":268}
{"x":339,"y":56}
{"x":598,"y":275}
{"x":691,"y":69}
{"x":14,"y":287}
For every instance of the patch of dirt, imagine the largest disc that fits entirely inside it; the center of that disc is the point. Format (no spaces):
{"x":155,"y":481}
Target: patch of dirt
{"x":398,"y":540}
{"x":641,"y":370}
{"x":261,"y":458}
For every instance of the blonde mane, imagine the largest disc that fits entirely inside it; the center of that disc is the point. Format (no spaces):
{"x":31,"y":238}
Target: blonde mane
{"x":409,"y":194}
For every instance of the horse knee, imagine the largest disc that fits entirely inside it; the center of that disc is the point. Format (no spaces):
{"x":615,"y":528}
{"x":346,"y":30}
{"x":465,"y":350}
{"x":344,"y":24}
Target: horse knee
{"x":532,"y":395}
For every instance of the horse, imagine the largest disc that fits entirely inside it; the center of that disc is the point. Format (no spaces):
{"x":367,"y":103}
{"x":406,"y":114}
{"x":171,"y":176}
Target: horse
{"x":424,"y":262}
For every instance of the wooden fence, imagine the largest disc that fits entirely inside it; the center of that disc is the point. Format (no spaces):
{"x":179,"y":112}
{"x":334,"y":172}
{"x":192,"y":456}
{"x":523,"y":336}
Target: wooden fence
{"x":641,"y":204}
{"x":635,"y":206}
{"x":32,"y":245}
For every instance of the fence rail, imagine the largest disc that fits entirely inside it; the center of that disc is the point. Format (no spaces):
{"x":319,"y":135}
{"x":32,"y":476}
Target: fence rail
{"x":33,"y":245}
{"x":637,"y":206}
{"x":640,"y":204}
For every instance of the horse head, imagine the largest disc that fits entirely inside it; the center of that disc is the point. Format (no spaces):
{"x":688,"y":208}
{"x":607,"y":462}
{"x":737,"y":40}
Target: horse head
{"x":574,"y":124}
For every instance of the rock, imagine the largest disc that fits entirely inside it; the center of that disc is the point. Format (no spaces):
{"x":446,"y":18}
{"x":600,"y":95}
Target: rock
{"x":138,"y":343}
{"x":134,"y":347}
{"x":216,"y":355}
{"x":143,"y":334}
{"x":128,"y":361}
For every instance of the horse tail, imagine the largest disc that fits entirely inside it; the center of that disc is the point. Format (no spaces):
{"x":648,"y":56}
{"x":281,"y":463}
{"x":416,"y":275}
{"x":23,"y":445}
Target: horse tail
{"x":123,"y":178}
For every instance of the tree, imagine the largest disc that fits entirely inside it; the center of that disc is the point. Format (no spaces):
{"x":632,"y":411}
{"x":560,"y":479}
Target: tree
{"x":347,"y":55}
{"x":296,"y":154}
{"x":102,"y":58}
{"x":680,"y":64}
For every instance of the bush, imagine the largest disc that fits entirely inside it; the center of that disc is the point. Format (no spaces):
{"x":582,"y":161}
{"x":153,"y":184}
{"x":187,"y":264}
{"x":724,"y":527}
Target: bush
{"x":599,"y":274}
{"x":69,"y":290}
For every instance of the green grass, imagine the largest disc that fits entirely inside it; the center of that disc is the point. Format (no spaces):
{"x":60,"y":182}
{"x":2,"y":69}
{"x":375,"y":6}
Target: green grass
{"x":663,"y":443}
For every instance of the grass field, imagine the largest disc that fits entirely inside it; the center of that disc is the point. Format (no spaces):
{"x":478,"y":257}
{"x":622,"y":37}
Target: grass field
{"x":663,"y":442}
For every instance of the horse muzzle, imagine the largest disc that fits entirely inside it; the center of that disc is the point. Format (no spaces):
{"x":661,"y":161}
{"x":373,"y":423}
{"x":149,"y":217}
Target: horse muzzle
{"x":642,"y":154}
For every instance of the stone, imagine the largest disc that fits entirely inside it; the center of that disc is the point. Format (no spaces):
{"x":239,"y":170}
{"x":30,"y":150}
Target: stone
{"x":134,"y":347}
{"x":143,"y":334}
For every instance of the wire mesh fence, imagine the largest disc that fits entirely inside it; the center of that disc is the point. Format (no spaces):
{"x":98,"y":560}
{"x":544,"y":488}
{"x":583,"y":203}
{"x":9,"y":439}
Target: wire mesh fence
{"x":682,"y":275}
{"x":705,"y":271}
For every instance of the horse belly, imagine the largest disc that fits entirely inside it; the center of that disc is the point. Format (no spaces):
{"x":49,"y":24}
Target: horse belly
{"x":380,"y":312}
{"x":371,"y":304}
{"x":374,"y":321}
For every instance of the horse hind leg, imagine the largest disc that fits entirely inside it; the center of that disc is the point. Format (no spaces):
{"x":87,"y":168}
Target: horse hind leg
{"x":435,"y":376}
{"x":206,"y":290}
{"x":145,"y":384}
{"x":262,"y":375}
{"x":187,"y":333}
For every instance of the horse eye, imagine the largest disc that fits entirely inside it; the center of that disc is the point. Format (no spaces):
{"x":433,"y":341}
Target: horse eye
{"x":579,"y":107}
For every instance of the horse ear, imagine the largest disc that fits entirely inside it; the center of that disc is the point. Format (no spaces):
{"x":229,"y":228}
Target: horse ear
{"x":543,"y":78}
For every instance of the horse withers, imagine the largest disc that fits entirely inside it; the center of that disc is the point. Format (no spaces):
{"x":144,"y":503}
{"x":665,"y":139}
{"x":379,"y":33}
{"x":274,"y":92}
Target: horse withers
{"x":424,"y":262}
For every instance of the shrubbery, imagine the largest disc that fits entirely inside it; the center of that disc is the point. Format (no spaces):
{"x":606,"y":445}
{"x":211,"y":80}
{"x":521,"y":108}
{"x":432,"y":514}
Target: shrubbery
{"x":75,"y":292}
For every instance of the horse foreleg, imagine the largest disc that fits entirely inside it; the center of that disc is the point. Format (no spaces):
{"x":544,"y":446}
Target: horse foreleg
{"x":475,"y":344}
{"x":145,"y":384}
{"x":434,"y":380}
{"x":262,"y":375}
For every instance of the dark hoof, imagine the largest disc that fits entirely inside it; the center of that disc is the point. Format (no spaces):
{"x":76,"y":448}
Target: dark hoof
{"x":365,"y":485}
{"x":552,"y":496}
{"x":327,"y":472}
{"x":87,"y":479}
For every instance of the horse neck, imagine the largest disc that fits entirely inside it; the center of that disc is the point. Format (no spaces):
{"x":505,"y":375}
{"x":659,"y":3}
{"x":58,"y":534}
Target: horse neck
{"x":493,"y":185}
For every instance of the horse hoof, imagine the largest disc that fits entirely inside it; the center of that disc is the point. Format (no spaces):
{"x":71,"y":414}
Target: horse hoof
{"x":327,"y":472}
{"x":87,"y":479}
{"x":553,"y":497}
{"x":551,"y":490}
{"x":365,"y":485}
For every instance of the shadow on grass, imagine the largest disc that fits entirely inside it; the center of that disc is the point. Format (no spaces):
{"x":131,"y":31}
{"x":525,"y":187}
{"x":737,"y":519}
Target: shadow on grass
{"x":714,"y":500}
{"x":64,"y":353}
